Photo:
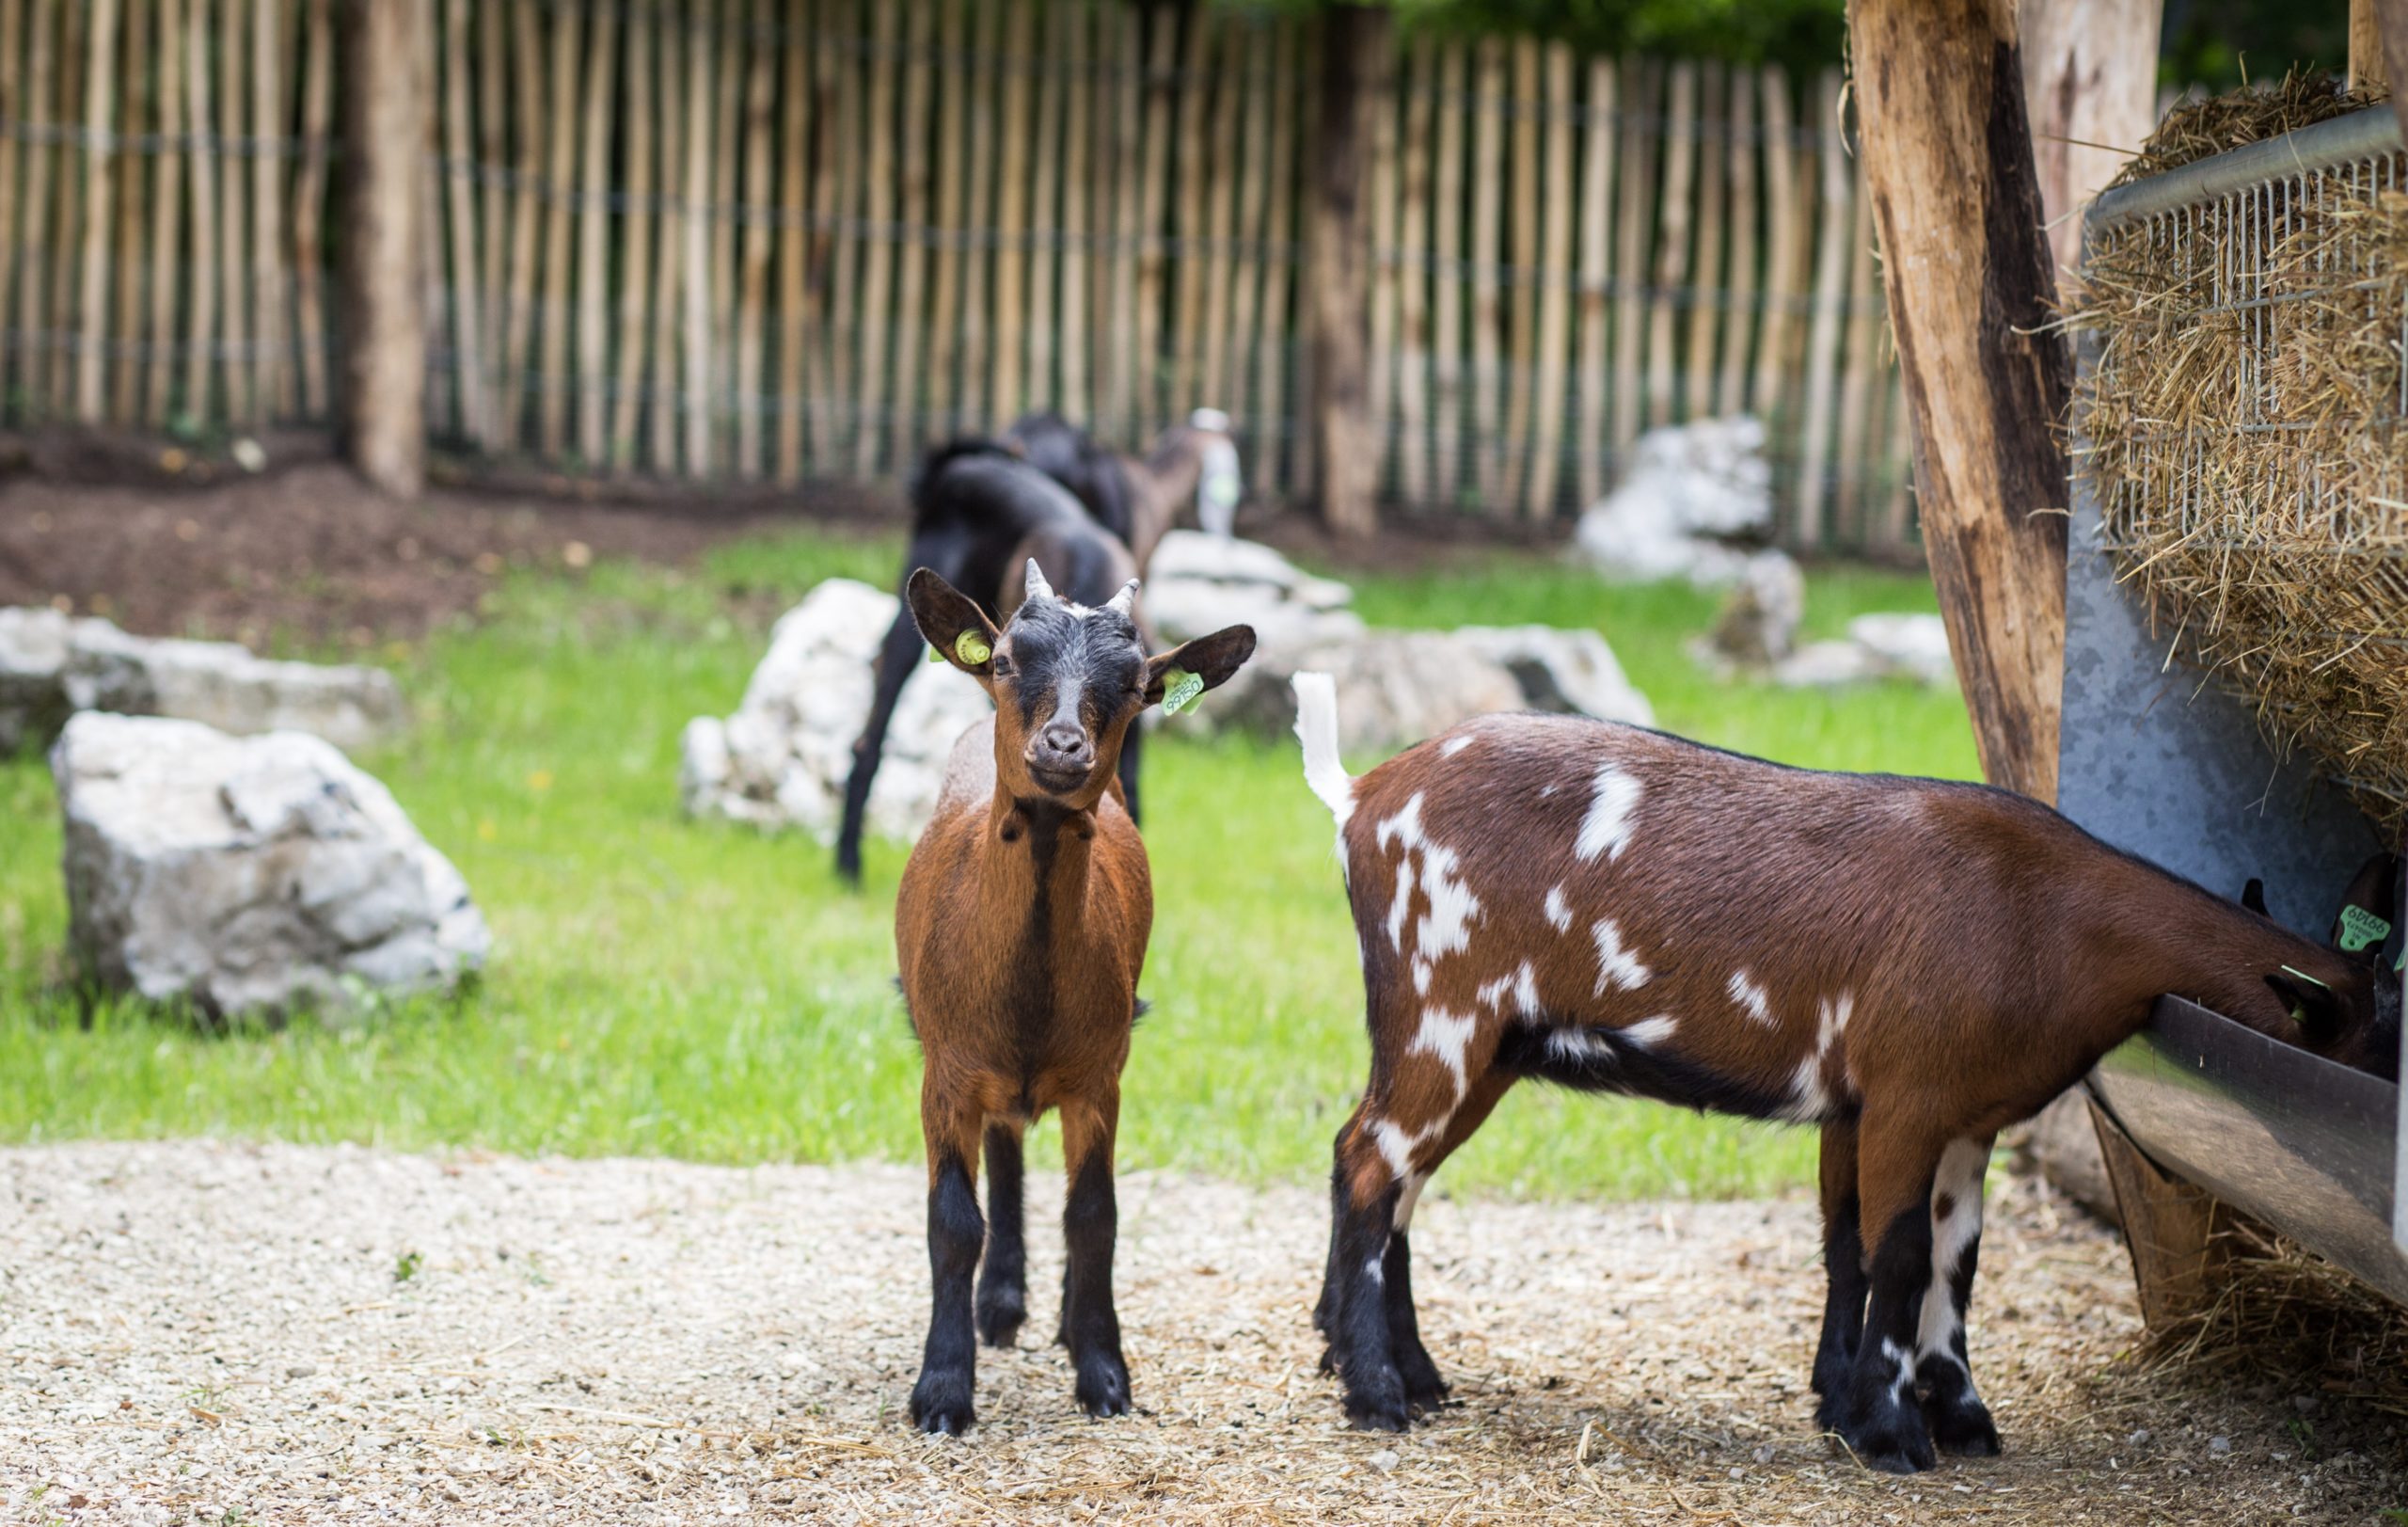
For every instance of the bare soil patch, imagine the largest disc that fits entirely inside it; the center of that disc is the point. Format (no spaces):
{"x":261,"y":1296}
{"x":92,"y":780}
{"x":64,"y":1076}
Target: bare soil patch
{"x":189,"y":1329}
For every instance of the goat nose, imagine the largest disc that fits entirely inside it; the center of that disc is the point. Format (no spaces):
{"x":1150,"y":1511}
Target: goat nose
{"x":1063,"y":742}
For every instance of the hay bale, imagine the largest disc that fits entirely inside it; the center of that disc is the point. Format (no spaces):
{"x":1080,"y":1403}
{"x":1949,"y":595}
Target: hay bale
{"x":2243,"y":419}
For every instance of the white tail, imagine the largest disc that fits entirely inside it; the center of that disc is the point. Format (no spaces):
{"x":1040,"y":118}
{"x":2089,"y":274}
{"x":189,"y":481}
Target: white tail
{"x":1317,"y":729}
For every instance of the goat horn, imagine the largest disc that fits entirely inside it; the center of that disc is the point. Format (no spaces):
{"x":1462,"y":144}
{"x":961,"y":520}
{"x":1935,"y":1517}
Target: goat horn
{"x":1125,"y":602}
{"x":1037,"y":587}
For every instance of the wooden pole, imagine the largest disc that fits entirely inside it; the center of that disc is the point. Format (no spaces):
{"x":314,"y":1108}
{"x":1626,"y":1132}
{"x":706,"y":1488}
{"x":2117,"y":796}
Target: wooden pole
{"x":1707,"y":287}
{"x":1382,"y":380}
{"x":831,"y":149}
{"x":467,"y":314}
{"x":1957,"y":206}
{"x":1271,"y":455}
{"x":665,"y":444}
{"x":385,"y":109}
{"x":1823,"y":340}
{"x":201,"y":320}
{"x":166,"y":229}
{"x":2391,"y":28}
{"x":64,"y":320}
{"x":1783,"y":222}
{"x":695,"y":272}
{"x":1010,"y":303}
{"x":268,"y":132}
{"x":945,"y":300}
{"x":635,"y":256}
{"x":1596,"y":275}
{"x":12,"y":103}
{"x":911,"y":253}
{"x":1643,"y":86}
{"x":876,"y":319}
{"x":131,"y":342}
{"x":1863,"y":366}
{"x":2090,"y":78}
{"x":603,"y":105}
{"x":560,"y":230}
{"x":1220,"y":267}
{"x":493,"y":215}
{"x":752,"y":327}
{"x":2367,"y":69}
{"x":1191,"y":154}
{"x":1354,"y":39}
{"x":1162,"y":71}
{"x":1487,"y":265}
{"x":309,"y":195}
{"x":727,"y":129}
{"x":1528,"y":107}
{"x":1672,"y":241}
{"x":978,"y":260}
{"x":99,"y":171}
{"x":1126,"y":26}
{"x":1554,"y":296}
{"x":1045,"y":222}
{"x":1449,"y":82}
{"x":1739,"y":312}
{"x":527,"y":216}
{"x":1413,"y":287}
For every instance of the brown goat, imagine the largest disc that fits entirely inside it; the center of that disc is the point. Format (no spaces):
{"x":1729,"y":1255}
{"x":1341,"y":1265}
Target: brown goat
{"x":1021,"y":929}
{"x":1907,"y":963}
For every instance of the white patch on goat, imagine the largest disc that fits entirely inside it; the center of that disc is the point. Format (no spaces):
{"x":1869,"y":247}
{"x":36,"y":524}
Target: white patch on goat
{"x":1525,"y":990}
{"x":1371,"y":1270}
{"x":1958,"y":1180}
{"x":1810,"y":1100}
{"x":1606,"y":828}
{"x":1616,"y":965}
{"x":1453,"y":746}
{"x":1396,"y":1145}
{"x":1577,"y":1044}
{"x":1402,"y":904}
{"x":1545,"y":790}
{"x":1751,"y":998}
{"x":1904,"y":1360}
{"x":1446,"y":928}
{"x":1648,"y":1032}
{"x":1445,"y":1035}
{"x":1403,"y":1219}
{"x":1420,"y":976}
{"x":1559,"y":911}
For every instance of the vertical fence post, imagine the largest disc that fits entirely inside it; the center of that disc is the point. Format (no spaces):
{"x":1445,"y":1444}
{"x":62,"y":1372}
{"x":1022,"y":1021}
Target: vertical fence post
{"x":1353,"y":48}
{"x":384,"y":363}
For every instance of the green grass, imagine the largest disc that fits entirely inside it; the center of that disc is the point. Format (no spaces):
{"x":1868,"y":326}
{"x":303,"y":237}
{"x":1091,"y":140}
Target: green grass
{"x":664,"y":987}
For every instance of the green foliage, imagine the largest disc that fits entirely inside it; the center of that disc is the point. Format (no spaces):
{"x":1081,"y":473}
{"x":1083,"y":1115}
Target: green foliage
{"x":662,"y":987}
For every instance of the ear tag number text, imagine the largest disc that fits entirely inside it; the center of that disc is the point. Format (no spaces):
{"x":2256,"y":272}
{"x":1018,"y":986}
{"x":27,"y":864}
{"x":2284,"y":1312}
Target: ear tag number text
{"x":1182,"y":689}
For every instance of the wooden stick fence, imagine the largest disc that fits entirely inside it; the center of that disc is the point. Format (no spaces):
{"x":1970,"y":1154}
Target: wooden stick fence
{"x":802,"y":239}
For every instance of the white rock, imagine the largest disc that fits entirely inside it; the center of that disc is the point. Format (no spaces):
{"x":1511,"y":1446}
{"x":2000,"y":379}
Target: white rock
{"x":1822,"y":664}
{"x":1912,"y":646}
{"x":223,"y":685}
{"x":783,"y":759}
{"x":1688,"y":489}
{"x":249,"y":874}
{"x":1197,"y":584}
{"x":1758,"y":623}
{"x":33,"y":652}
{"x":1195,"y":556}
{"x":1573,"y":672}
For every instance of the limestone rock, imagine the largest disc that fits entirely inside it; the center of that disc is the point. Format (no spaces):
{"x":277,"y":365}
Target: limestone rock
{"x":1690,"y":491}
{"x":249,"y":875}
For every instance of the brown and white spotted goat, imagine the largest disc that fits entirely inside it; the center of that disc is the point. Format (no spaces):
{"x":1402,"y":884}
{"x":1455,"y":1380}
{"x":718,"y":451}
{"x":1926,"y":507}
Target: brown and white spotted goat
{"x":1907,"y":963}
{"x":1021,"y":929}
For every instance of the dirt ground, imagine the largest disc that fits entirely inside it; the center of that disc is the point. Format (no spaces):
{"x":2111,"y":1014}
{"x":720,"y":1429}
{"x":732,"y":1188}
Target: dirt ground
{"x":215,"y":1333}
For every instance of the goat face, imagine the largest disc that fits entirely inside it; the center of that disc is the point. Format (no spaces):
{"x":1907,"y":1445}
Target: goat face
{"x":2353,"y":1019}
{"x":1067,"y":681}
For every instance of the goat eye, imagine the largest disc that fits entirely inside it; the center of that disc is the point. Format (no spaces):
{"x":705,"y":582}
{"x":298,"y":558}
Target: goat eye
{"x":1001,"y":667}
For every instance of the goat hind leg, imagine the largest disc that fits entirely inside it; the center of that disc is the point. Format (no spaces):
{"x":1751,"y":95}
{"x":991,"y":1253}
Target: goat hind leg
{"x":1843,"y":1272}
{"x":1362,"y":1346}
{"x":1877,"y":1410}
{"x":897,"y":655}
{"x":1424,"y":1389}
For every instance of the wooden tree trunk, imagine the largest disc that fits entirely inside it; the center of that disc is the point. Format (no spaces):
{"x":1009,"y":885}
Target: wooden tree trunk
{"x":384,"y":298}
{"x":1948,"y":163}
{"x":1353,"y":42}
{"x":2090,"y":76}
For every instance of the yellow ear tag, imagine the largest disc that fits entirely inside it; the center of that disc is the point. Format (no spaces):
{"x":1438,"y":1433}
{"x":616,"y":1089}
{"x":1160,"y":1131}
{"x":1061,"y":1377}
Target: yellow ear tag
{"x":1182,"y":690}
{"x":972,"y":648}
{"x":934,"y":656}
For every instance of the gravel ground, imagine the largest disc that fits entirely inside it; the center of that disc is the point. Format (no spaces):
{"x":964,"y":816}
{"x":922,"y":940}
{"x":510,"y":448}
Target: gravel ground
{"x":193,"y":1332}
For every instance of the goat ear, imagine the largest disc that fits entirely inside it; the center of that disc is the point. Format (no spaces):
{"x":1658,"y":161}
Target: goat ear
{"x":2252,"y":896}
{"x":2318,"y":1015}
{"x":1212,"y":659}
{"x":2368,"y":908}
{"x":951,"y":622}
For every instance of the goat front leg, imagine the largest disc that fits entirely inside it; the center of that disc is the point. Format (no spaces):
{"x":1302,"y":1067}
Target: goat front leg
{"x":940,"y":1401}
{"x":1090,"y":1223}
{"x":1960,"y":1421}
{"x":1003,"y":1278}
{"x":1844,"y":1274}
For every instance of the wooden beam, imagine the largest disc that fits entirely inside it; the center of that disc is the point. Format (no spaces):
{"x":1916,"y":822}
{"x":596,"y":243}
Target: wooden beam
{"x":1355,"y":46}
{"x":2178,"y":1235}
{"x":2367,"y":68}
{"x":384,"y":296}
{"x":2090,"y":83}
{"x":2391,"y":28}
{"x":1948,"y":163}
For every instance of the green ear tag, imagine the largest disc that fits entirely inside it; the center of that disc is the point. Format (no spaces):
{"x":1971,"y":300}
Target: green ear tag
{"x":934,"y":656}
{"x":972,"y":648}
{"x":2361,"y":929}
{"x":1182,"y":689}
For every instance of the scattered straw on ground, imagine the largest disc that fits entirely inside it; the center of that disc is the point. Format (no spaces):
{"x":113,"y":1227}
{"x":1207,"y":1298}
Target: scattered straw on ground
{"x":199,"y":1333}
{"x":2243,"y":420}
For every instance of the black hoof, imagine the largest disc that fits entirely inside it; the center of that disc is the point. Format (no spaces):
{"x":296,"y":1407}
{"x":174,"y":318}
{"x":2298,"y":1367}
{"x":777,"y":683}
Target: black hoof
{"x":1102,"y":1388}
{"x":1964,"y":1429}
{"x":1000,"y":1314}
{"x":1893,"y":1442}
{"x":1378,"y":1406}
{"x":1424,"y":1391}
{"x":940,"y":1404}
